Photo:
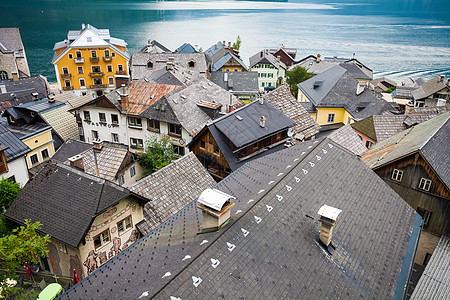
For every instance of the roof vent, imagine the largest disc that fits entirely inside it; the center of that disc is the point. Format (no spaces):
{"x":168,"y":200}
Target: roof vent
{"x":13,"y":96}
{"x":163,"y":108}
{"x":239,"y":117}
{"x":262,"y":122}
{"x":318,"y":58}
{"x":35,"y":96}
{"x":359,"y":89}
{"x":261,"y":100}
{"x":317,"y":83}
{"x":157,"y":106}
{"x":215,"y":206}
{"x":183,"y":96}
{"x":328,"y":216}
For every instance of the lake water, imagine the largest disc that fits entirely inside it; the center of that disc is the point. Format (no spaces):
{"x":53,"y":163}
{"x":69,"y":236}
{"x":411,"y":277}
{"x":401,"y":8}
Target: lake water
{"x":396,"y":38}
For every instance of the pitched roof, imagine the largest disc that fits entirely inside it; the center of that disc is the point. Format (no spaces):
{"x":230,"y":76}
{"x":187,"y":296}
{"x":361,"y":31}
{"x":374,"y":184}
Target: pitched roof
{"x":435,"y":280}
{"x":10,"y":40}
{"x":17,"y":92}
{"x":269,"y":249}
{"x":430,"y":87}
{"x":170,"y":189}
{"x":282,"y":99}
{"x":356,"y":72}
{"x":426,"y":137}
{"x":70,"y":148}
{"x":347,"y":138}
{"x":213,"y":50}
{"x":155,"y":47}
{"x":186,"y":48}
{"x":65,"y":201}
{"x":178,"y":75}
{"x":236,"y":82}
{"x":265,"y":57}
{"x":79,"y":101}
{"x":16,"y":147}
{"x":224,"y":59}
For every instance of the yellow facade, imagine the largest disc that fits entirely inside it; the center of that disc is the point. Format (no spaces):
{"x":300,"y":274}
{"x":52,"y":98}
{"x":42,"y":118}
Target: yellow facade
{"x":323,"y":116}
{"x":232,"y":69}
{"x":40,"y":145}
{"x":80,"y":65}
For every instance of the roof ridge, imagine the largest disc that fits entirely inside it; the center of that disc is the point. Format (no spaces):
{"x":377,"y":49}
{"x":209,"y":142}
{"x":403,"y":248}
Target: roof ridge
{"x":432,"y":135}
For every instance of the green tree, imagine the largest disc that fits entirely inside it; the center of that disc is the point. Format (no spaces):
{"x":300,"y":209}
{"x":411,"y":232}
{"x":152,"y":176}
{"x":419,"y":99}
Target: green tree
{"x":23,"y":245}
{"x":237,"y":44}
{"x":8,"y":192}
{"x":158,"y":154}
{"x":295,"y":76}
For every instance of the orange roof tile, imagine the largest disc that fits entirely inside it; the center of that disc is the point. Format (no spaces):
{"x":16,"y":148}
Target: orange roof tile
{"x":144,"y":94}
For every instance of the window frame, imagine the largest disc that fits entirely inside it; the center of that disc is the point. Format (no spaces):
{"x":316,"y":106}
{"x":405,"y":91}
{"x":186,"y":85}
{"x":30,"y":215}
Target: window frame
{"x":86,"y":115}
{"x":95,"y":135}
{"x":102,"y":117}
{"x":155,"y":126}
{"x":120,"y":68}
{"x":216,"y":150}
{"x":76,"y":54}
{"x":425,"y":214}
{"x":70,"y":56}
{"x":101,"y":236}
{"x":35,"y":155}
{"x":202,"y":145}
{"x":94,"y":53}
{"x":424,"y":183}
{"x":113,"y":137}
{"x":114,"y":116}
{"x":175,"y":133}
{"x":124,"y":226}
{"x":80,"y":68}
{"x":396,"y":173}
{"x":42,"y":154}
{"x":331,"y":118}
{"x":133,"y":121}
{"x":136,"y":143}
{"x":121,"y":179}
{"x":133,"y":171}
{"x":109,"y":69}
{"x":82,"y":80}
{"x":111,"y":80}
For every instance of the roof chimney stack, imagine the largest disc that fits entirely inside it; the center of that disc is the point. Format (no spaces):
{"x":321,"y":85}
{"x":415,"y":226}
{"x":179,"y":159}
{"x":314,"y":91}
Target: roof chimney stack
{"x":215,"y":206}
{"x":442,"y":78}
{"x":318,"y":58}
{"x":223,"y":43}
{"x":328,"y":216}
{"x":35,"y":96}
{"x":262,"y":122}
{"x":15,"y":76}
{"x":77,"y":161}
{"x":98,"y":144}
{"x":261,"y":100}
{"x":123,"y":93}
{"x":51,"y":98}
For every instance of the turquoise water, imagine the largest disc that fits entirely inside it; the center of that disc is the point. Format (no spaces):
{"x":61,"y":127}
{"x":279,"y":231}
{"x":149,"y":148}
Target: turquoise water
{"x":395,"y":38}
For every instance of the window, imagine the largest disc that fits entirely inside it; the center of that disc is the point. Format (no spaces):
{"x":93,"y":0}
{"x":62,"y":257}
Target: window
{"x":330,"y":118}
{"x":427,"y":259}
{"x":120,"y":68}
{"x":44,"y":154}
{"x":191,"y":64}
{"x":81,"y":131}
{"x":175,"y":129}
{"x":34,"y":159}
{"x":95,"y":134}
{"x":65,"y":70}
{"x":425,"y":214}
{"x":136,"y":143}
{"x":115,"y":119}
{"x":62,"y":248}
{"x":226,"y":170}
{"x":109,"y":68}
{"x":133,"y":171}
{"x":106,"y":53}
{"x":80,"y":70}
{"x":67,"y":83}
{"x":70,"y":56}
{"x":135,"y":121}
{"x":93,"y":53}
{"x":12,"y":179}
{"x":424,"y":184}
{"x":98,"y":81}
{"x":216,"y":150}
{"x":102,"y":239}
{"x":121,"y":179}
{"x":397,"y":175}
{"x":153,"y":125}
{"x":88,"y":39}
{"x":360,"y":137}
{"x":96,"y":69}
{"x":111,"y":80}
{"x":369,"y":144}
{"x":82,"y":82}
{"x":87,"y":115}
{"x":202,"y":144}
{"x":124,"y":225}
{"x":3,"y":75}
{"x":78,"y":54}
{"x":115,"y":137}
{"x":102,"y":117}
{"x":149,"y":65}
{"x":113,"y":54}
{"x":178,"y":150}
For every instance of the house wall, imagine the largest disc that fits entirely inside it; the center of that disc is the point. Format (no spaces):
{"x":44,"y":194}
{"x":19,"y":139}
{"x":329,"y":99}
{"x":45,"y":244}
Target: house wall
{"x":63,"y":259}
{"x":301,"y":97}
{"x":365,"y":139}
{"x":37,"y":143}
{"x":340,"y":115}
{"x":427,"y":244}
{"x":129,"y":180}
{"x":19,"y":169}
{"x":74,"y":77}
{"x":267,"y":75}
{"x":8,"y":64}
{"x":93,"y":258}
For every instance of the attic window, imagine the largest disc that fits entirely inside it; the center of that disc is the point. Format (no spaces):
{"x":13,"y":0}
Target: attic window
{"x":89,"y":39}
{"x":149,"y":65}
{"x":101,"y":239}
{"x":191,"y":64}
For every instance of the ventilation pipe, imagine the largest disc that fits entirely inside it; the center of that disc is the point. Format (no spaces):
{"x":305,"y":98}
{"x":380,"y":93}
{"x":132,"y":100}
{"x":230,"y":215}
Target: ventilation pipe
{"x":262,"y":121}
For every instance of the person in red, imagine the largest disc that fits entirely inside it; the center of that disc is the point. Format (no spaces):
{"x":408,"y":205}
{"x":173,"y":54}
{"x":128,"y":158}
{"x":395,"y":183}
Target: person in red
{"x":75,"y":277}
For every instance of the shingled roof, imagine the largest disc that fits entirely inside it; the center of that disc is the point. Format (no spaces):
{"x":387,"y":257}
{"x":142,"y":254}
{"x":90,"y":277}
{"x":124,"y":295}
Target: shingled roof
{"x":16,"y":92}
{"x":269,"y":248}
{"x":347,"y":138}
{"x":426,"y":138}
{"x":238,"y":83}
{"x":10,"y":40}
{"x":170,"y":190}
{"x":430,"y":87}
{"x":282,"y":99}
{"x":16,"y":147}
{"x":65,"y":201}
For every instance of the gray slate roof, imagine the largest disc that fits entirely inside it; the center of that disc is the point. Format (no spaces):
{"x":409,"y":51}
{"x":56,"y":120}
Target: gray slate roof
{"x":65,"y":201}
{"x":70,"y":148}
{"x":282,"y":99}
{"x":22,"y":90}
{"x":16,"y":148}
{"x":434,"y":284}
{"x":170,"y":190}
{"x":236,"y":82}
{"x":10,"y":40}
{"x":430,"y":87}
{"x":347,"y":138}
{"x":266,"y":58}
{"x":224,"y":59}
{"x":247,"y":130}
{"x":186,"y":48}
{"x":268,"y":250}
{"x":426,"y":137}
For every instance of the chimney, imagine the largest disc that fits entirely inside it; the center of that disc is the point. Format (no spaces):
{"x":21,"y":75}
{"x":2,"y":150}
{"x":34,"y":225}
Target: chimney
{"x":261,"y":100}
{"x":83,"y":26}
{"x":35,"y":96}
{"x":98,"y":144}
{"x":170,"y":63}
{"x":278,"y":58}
{"x":51,"y":98}
{"x":15,"y":76}
{"x":261,"y":54}
{"x":123,"y":92}
{"x":229,"y":44}
{"x":328,"y":216}
{"x":409,"y":107}
{"x":215,"y":206}
{"x":334,"y":58}
{"x":267,"y":51}
{"x":318,"y":58}
{"x":262,"y":122}
{"x":77,"y":161}
{"x":441,"y":78}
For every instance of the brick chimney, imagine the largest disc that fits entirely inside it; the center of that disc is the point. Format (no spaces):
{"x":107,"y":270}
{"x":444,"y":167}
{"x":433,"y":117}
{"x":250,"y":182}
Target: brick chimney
{"x":409,"y":107}
{"x":15,"y":76}
{"x":215,"y":206}
{"x":98,"y":144}
{"x":35,"y":96}
{"x":123,"y":92}
{"x":170,"y":63}
{"x":328,"y":216}
{"x":77,"y":161}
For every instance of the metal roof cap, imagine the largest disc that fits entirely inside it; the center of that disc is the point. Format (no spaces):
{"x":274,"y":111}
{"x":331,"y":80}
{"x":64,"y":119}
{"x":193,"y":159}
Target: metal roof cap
{"x":214,"y":199}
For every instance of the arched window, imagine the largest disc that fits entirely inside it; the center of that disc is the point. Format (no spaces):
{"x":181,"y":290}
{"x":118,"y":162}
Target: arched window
{"x":149,"y":65}
{"x":3,"y":75}
{"x":191,"y":64}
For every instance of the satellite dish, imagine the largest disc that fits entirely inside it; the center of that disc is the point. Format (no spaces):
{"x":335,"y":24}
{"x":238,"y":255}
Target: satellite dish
{"x":290,"y":132}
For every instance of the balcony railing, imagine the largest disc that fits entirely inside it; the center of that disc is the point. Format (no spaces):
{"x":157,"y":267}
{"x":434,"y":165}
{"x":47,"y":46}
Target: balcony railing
{"x":67,"y":88}
{"x":121,"y":72}
{"x":97,"y":86}
{"x":96,"y":74}
{"x":79,"y":60}
{"x":66,"y":75}
{"x":107,"y":58}
{"x":94,"y":59}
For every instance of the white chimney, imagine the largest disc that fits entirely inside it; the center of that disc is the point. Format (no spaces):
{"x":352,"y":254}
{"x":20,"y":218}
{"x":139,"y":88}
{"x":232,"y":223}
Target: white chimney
{"x":98,"y":144}
{"x":318,"y":58}
{"x":262,"y":122}
{"x":77,"y":161}
{"x":328,"y":216}
{"x":215,"y":206}
{"x":35,"y":96}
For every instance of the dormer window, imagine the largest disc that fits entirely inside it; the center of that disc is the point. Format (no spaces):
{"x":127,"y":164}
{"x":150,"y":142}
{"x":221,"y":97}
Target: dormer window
{"x":191,"y":64}
{"x":149,"y":65}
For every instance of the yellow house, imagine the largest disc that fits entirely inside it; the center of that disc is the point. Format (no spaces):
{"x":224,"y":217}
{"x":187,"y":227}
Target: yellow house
{"x":335,"y":97}
{"x":90,"y":61}
{"x":41,"y":145}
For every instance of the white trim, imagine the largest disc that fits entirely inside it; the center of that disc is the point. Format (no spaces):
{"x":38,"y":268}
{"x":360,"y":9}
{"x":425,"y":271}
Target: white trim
{"x":79,"y":81}
{"x":57,"y":76}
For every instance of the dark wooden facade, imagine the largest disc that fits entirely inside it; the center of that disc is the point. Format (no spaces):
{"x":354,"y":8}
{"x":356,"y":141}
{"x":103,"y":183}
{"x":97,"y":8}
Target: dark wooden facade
{"x":284,"y":57}
{"x":433,"y":204}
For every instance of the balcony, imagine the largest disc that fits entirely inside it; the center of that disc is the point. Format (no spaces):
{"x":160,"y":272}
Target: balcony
{"x":94,"y":59}
{"x":96,"y":74}
{"x":121,"y":72}
{"x":66,"y":75}
{"x":97,"y":86}
{"x":79,"y":60}
{"x":107,"y":58}
{"x":67,"y":88}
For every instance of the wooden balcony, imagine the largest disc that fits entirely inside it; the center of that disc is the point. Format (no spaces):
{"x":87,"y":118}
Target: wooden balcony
{"x":97,"y":86}
{"x":94,"y":59}
{"x":67,"y":75}
{"x":121,"y":72}
{"x":96,"y":74}
{"x":107,"y":58}
{"x":67,"y":88}
{"x":79,"y":60}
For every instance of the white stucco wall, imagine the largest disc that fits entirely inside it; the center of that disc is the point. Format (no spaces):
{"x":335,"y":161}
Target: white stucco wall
{"x":18,"y":169}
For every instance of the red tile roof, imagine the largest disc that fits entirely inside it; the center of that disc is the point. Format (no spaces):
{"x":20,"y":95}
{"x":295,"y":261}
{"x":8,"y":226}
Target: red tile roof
{"x":144,"y":94}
